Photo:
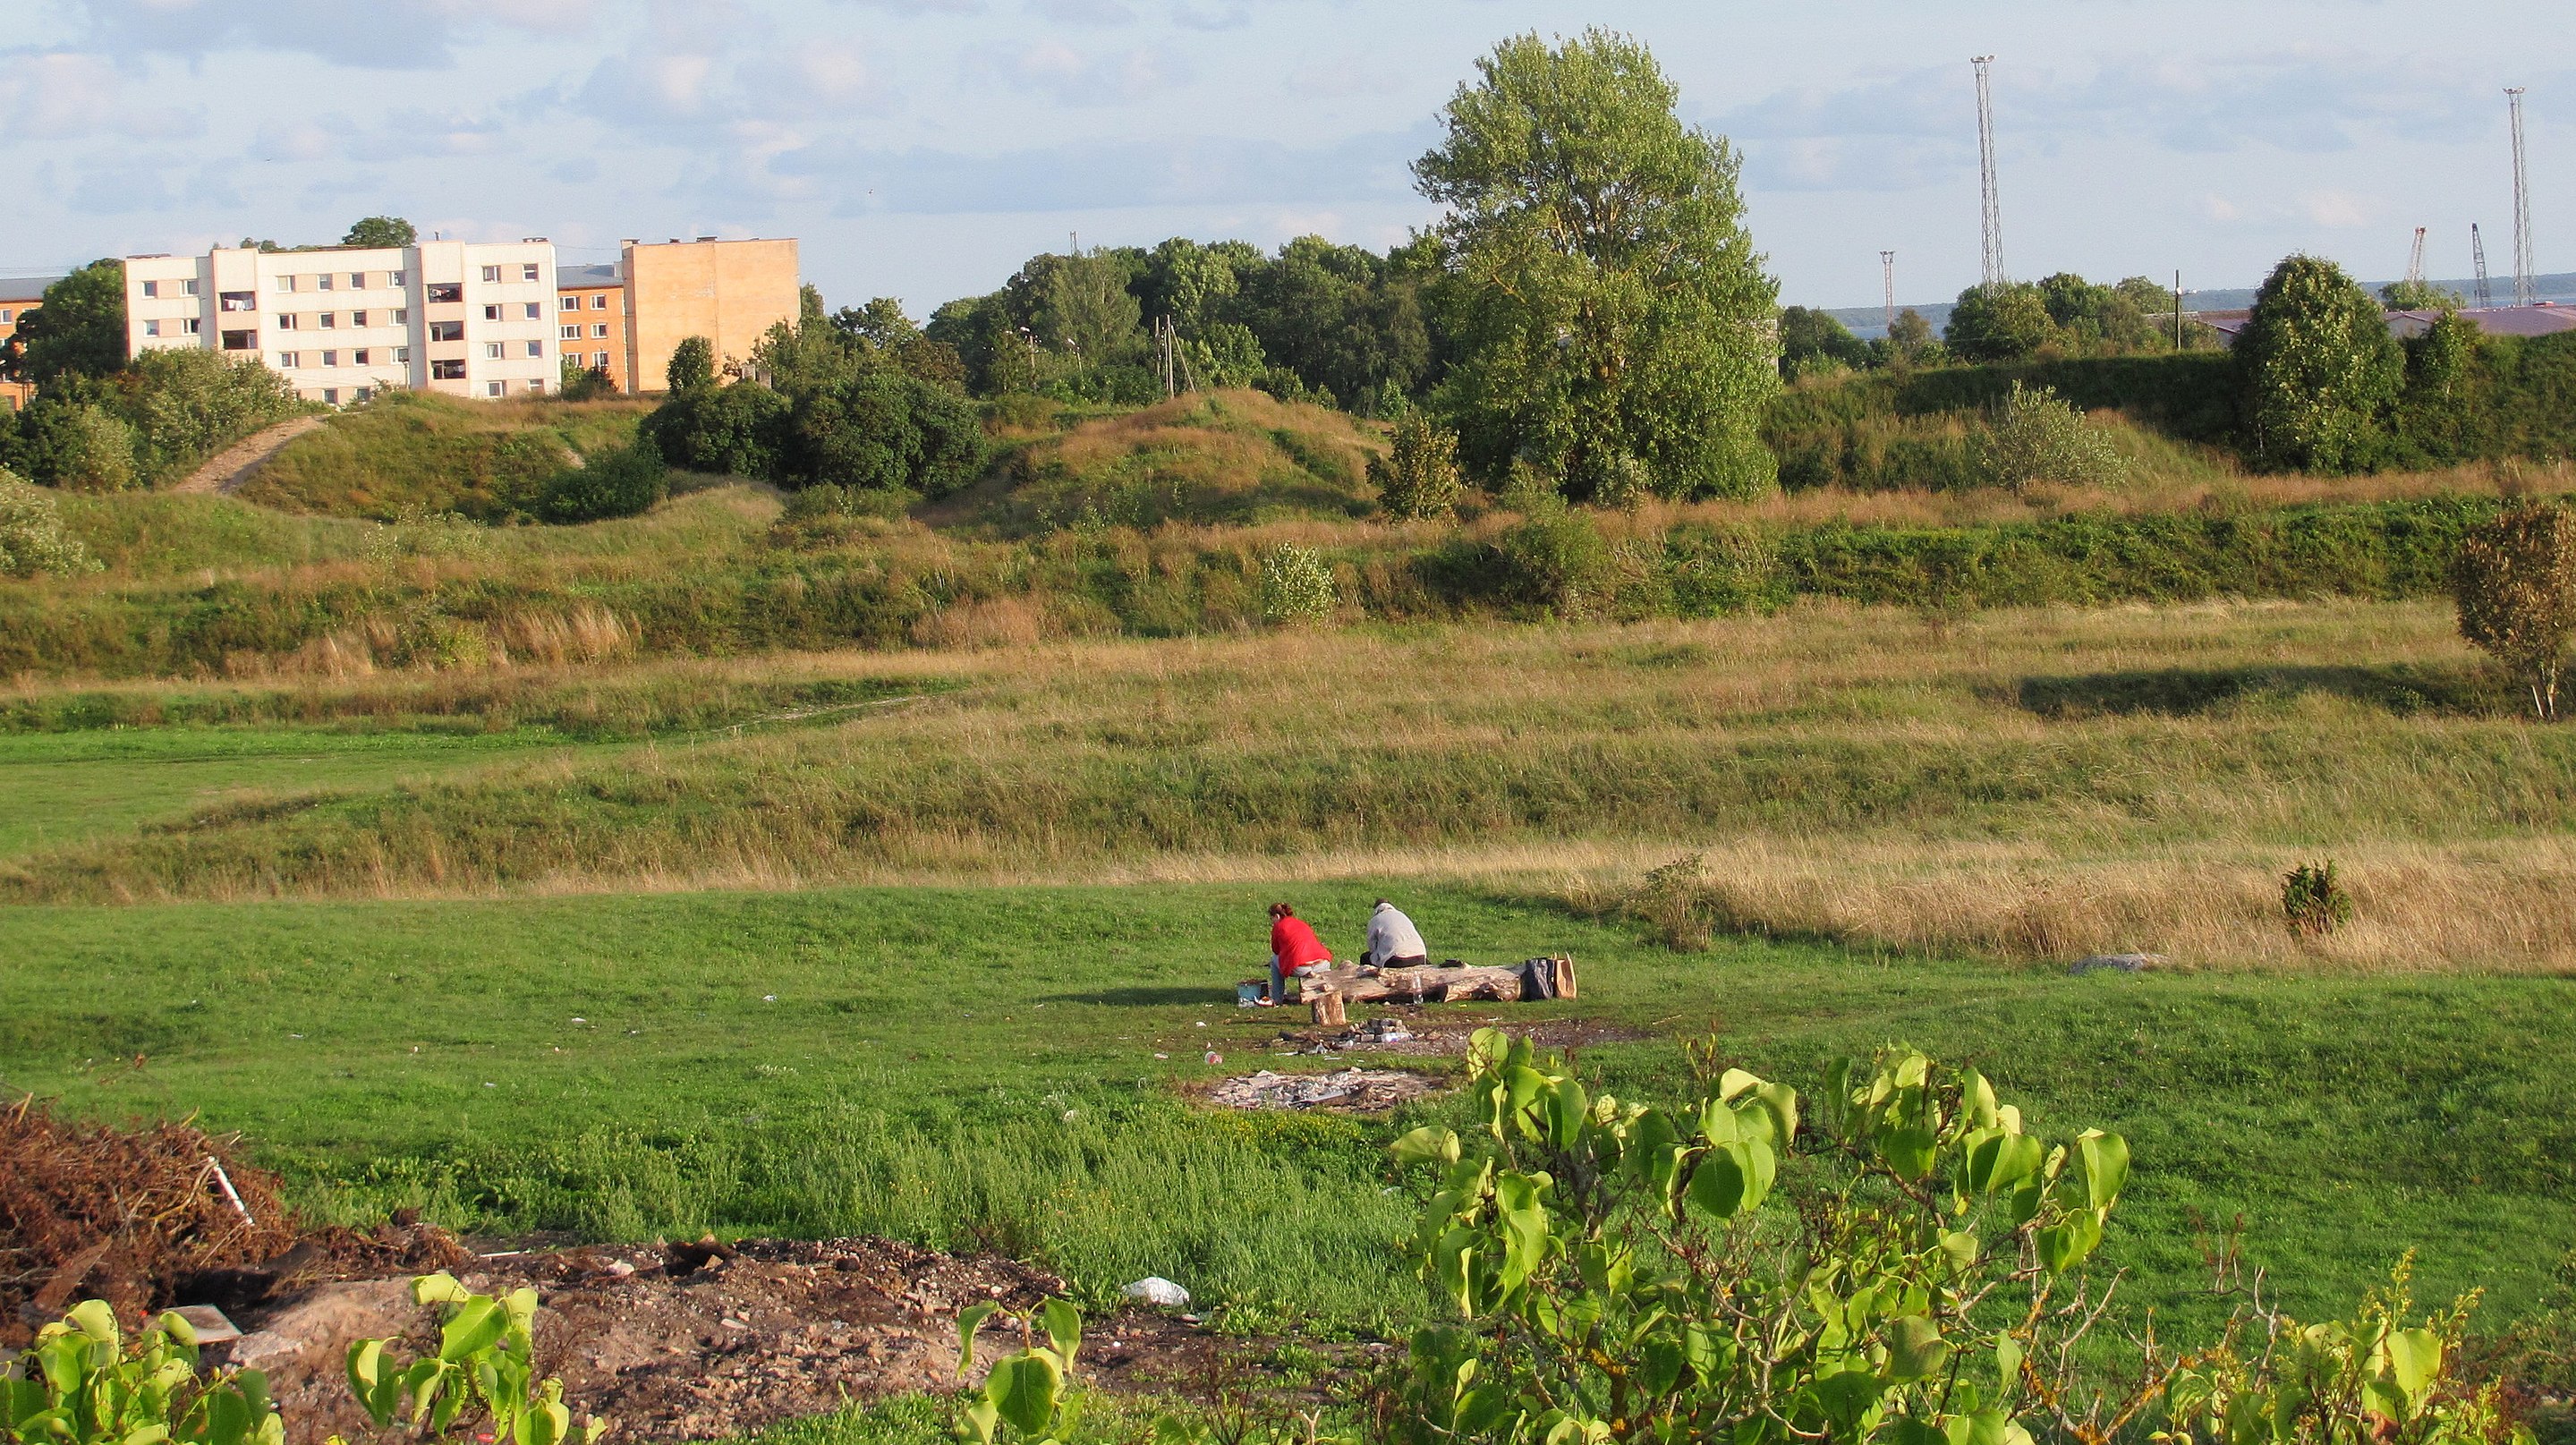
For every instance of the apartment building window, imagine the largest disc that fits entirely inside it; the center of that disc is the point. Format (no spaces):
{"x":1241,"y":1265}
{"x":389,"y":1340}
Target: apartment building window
{"x":286,"y":323}
{"x":357,"y":280}
{"x":447,"y":291}
{"x":402,"y":356}
{"x":7,"y":316}
{"x":238,"y":301}
{"x":572,"y":303}
{"x":402,"y":316}
{"x":322,"y":282}
{"x":599,"y":302}
{"x":285,"y":283}
{"x":330,"y":358}
{"x":393,"y":278}
{"x":330,"y":320}
{"x":491,"y":313}
{"x":599,"y":330}
{"x":492,"y":274}
{"x":491,"y":351}
{"x":330,"y":396}
{"x":535,"y":311}
{"x":447,"y":331}
{"x":599,"y":360}
{"x":447,"y":371}
{"x":572,"y":332}
{"x":530,"y":271}
{"x":536,"y":350}
{"x":151,"y":290}
{"x":359,"y":357}
{"x":191,"y":325}
{"x":537,"y":385}
{"x":357,"y":318}
{"x":365,"y":393}
{"x":188,"y":287}
{"x":241,"y":341}
{"x":286,"y":361}
{"x":153,"y":328}
{"x":496,"y":388}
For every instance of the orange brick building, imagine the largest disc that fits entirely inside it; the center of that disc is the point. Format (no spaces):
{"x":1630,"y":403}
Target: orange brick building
{"x":591,"y":318}
{"x":17,"y":298}
{"x":730,"y":292}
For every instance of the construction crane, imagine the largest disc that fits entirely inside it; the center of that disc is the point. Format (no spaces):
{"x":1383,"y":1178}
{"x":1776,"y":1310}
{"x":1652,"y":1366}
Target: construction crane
{"x":2478,"y":253}
{"x":1990,"y":216}
{"x":2415,"y":263}
{"x":2522,"y":278}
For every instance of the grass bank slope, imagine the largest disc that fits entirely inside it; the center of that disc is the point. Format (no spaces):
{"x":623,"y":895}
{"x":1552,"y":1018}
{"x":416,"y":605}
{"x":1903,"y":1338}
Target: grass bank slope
{"x":2033,"y":785}
{"x":1206,"y":457}
{"x":1003,"y":1068}
{"x":429,"y":453}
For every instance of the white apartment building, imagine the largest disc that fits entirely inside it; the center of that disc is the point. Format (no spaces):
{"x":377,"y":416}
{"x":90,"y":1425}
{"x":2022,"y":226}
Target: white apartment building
{"x":460,"y":317}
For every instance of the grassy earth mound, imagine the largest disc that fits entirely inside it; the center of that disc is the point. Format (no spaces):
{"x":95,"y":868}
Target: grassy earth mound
{"x":417,"y":452}
{"x":1208,"y":457}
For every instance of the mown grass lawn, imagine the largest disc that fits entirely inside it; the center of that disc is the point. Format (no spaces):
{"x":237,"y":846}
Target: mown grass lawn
{"x":977,"y":1067}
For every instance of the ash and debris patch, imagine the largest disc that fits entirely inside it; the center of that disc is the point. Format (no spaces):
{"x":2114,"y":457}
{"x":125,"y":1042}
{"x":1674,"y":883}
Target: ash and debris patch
{"x":1366,"y":1091}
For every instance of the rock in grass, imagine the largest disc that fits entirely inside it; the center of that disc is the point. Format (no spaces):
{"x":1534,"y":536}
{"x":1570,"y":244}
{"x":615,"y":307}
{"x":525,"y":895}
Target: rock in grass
{"x":1153,"y":1289}
{"x":2122,"y":962}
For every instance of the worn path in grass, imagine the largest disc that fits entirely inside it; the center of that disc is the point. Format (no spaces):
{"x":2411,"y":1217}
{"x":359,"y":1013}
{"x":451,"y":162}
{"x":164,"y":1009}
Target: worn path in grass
{"x":978,"y":1067}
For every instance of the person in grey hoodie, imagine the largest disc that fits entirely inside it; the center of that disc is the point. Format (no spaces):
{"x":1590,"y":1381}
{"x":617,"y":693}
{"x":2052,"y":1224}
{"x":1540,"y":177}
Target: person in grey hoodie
{"x":1393,"y":941}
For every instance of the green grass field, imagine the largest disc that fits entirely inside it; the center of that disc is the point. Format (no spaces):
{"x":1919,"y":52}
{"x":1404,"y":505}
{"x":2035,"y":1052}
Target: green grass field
{"x":977,"y":1067}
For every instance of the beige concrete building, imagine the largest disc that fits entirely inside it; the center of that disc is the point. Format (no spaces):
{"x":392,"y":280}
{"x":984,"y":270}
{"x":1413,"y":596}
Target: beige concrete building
{"x":463,"y":318}
{"x":729,"y":292}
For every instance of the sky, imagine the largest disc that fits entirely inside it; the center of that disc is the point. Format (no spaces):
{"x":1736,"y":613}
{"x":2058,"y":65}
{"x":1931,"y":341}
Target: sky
{"x":924,"y":148}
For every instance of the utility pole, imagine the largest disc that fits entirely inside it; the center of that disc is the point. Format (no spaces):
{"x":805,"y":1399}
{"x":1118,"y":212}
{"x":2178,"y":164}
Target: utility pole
{"x":2177,"y":309}
{"x":2478,"y":253}
{"x":1887,"y":264}
{"x":1990,"y":212}
{"x":2522,"y":277}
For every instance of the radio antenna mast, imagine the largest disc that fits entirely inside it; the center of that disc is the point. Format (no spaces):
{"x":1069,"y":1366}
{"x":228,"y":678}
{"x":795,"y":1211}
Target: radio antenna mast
{"x":1887,"y":264}
{"x":2522,"y":277}
{"x":2478,"y":253}
{"x":1990,"y":217}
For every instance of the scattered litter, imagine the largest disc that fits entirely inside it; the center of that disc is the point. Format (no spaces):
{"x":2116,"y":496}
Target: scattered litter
{"x":1214,"y":1057}
{"x":1162,"y":1056}
{"x":1382,"y":1030}
{"x":210,"y":1324}
{"x":769,"y":998}
{"x":1153,"y":1289}
{"x":576,"y":1018}
{"x":1365,"y":1090}
{"x":2118,"y":962}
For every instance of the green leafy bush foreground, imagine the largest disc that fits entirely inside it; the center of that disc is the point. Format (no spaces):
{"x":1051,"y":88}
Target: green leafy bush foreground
{"x":1897,"y":1260}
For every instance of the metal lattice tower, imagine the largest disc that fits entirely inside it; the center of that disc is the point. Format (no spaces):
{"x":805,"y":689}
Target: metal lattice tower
{"x":2478,"y":253}
{"x":2522,"y":277}
{"x":1887,"y":264}
{"x":1990,"y":218}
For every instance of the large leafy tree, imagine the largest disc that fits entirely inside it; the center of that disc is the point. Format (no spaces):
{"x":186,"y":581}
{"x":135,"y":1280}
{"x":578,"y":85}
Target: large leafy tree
{"x":2316,"y":369}
{"x":1612,"y":322}
{"x":77,"y":329}
{"x":1999,"y":321}
{"x":380,"y":231}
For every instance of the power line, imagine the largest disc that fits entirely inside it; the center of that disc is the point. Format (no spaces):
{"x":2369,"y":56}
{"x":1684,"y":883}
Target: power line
{"x":2522,"y":278}
{"x":1990,"y":216}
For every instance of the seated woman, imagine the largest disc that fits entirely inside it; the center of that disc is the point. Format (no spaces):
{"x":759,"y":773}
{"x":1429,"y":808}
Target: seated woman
{"x":1293,"y":945}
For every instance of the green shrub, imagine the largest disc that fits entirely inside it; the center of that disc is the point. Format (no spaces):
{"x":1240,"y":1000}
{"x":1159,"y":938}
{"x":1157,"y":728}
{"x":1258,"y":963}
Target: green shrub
{"x":1555,"y":559}
{"x":1418,"y":478}
{"x":2515,"y":582}
{"x":83,"y":1384}
{"x":1998,"y":321}
{"x":32,"y":538}
{"x":2034,"y":437}
{"x":1296,"y":585}
{"x":2313,"y":899}
{"x":188,"y":404}
{"x":624,"y":482}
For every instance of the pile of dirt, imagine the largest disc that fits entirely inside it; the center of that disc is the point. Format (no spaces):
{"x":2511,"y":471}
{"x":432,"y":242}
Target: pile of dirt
{"x":158,"y":1216}
{"x":1365,"y":1091}
{"x":707,"y":1340}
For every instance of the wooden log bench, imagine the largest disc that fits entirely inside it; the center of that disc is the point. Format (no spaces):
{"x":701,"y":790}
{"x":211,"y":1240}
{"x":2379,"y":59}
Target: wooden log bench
{"x":1329,"y":994}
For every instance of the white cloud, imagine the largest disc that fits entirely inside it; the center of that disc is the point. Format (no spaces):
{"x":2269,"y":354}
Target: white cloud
{"x":64,"y":95}
{"x":389,"y":35}
{"x":1073,"y":78}
{"x":2339,"y":209}
{"x":1083,"y":12}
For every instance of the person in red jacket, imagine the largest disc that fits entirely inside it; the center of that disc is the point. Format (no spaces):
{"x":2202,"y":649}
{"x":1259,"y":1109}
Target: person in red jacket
{"x":1293,"y":945}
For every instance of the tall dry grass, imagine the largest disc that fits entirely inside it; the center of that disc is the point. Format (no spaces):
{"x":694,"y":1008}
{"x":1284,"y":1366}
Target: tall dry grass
{"x":1907,"y":783}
